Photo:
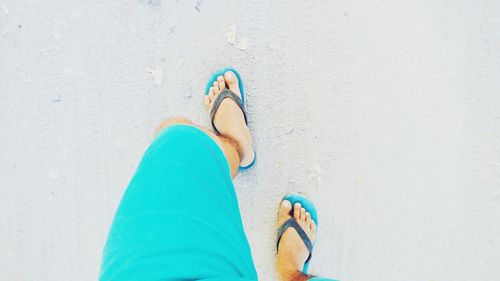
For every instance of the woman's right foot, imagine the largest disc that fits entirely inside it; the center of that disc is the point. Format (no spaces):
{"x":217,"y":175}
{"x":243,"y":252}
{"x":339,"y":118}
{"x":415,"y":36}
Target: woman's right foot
{"x":229,"y":119}
{"x":292,"y":252}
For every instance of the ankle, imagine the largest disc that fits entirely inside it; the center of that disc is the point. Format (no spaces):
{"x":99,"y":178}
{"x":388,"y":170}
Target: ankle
{"x":230,"y":149}
{"x":293,"y":276}
{"x":288,"y":272}
{"x":242,"y":143}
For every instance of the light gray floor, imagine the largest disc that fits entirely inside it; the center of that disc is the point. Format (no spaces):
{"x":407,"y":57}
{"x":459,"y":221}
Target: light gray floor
{"x":386,"y":113}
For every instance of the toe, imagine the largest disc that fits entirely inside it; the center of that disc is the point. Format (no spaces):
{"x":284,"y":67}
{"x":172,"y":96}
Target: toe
{"x":284,"y":210}
{"x":313,"y":226}
{"x":302,"y":214}
{"x":231,"y":81}
{"x":308,"y":217}
{"x":216,"y":87}
{"x":206,"y":101}
{"x":296,"y":211}
{"x":220,"y":81}
{"x":211,"y":93}
{"x":230,"y":77}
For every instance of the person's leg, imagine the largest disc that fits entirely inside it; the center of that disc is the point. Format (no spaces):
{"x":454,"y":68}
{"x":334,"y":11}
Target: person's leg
{"x":292,"y":253}
{"x":235,"y":139}
{"x":227,"y":145}
{"x":179,"y":217}
{"x":229,"y":118}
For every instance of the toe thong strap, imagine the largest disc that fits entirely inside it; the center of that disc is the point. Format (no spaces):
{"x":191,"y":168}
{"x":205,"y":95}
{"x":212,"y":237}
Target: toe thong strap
{"x":292,"y":223}
{"x":223,"y":95}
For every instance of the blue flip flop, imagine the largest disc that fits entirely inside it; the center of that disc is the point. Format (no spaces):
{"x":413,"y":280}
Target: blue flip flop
{"x":309,"y":206}
{"x":226,"y":93}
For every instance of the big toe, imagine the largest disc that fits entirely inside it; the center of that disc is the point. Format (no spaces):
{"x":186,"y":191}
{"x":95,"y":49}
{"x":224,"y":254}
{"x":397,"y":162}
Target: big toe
{"x":284,"y":211}
{"x":232,"y":81}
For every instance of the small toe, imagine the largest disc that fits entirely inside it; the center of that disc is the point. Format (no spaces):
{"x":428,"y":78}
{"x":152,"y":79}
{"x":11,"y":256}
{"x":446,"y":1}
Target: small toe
{"x":221,"y":82}
{"x":308,"y":217}
{"x":216,"y":87}
{"x":313,"y":226}
{"x":302,"y":213}
{"x":296,"y":211}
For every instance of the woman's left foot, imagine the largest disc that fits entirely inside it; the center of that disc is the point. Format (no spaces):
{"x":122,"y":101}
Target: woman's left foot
{"x":229,"y":119}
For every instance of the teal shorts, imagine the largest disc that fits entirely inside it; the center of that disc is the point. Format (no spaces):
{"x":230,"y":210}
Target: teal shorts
{"x":179,"y":217}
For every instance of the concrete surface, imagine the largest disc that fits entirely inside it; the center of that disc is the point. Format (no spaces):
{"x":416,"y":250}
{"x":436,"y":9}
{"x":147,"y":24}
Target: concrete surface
{"x":386,"y":113}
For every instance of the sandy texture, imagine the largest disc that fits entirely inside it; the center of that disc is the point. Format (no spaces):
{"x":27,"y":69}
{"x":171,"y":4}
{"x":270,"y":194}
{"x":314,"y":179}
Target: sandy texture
{"x":386,"y":113}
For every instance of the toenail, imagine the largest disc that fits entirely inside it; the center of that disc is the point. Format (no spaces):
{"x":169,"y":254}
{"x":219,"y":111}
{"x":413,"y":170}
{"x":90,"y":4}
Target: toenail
{"x":285,"y":203}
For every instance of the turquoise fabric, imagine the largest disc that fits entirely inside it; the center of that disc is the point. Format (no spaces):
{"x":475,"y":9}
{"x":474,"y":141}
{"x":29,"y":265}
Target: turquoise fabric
{"x":179,"y":217}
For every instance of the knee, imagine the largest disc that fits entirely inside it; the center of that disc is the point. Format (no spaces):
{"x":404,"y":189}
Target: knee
{"x":173,"y":121}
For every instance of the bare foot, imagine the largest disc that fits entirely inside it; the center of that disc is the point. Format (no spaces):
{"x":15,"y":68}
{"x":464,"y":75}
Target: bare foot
{"x":229,"y":118}
{"x":292,"y":252}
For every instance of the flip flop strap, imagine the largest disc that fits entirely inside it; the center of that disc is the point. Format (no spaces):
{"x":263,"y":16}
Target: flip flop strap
{"x":223,"y":95}
{"x":292,"y":223}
